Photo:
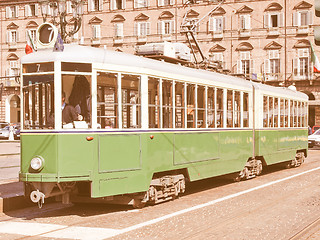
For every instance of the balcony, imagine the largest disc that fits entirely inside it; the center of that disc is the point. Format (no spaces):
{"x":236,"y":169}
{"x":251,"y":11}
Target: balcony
{"x":272,"y":77}
{"x":302,"y":30}
{"x":166,"y":37}
{"x":12,"y":45}
{"x":141,"y":39}
{"x":273,"y":32}
{"x":217,"y":35}
{"x":118,"y":40}
{"x":95,"y":41}
{"x":244,"y":33}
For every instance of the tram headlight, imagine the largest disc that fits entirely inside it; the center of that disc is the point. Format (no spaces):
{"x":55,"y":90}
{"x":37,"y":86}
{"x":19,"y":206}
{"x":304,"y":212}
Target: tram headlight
{"x":37,"y":163}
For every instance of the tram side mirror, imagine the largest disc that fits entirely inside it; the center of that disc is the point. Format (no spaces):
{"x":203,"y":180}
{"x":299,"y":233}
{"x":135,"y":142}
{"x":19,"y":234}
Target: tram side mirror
{"x":46,"y":35}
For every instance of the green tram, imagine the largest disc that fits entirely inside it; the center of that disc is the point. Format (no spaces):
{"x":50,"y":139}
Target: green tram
{"x":146,"y":127}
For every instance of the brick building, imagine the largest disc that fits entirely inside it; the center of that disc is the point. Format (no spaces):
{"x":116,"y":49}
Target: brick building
{"x":267,"y":41}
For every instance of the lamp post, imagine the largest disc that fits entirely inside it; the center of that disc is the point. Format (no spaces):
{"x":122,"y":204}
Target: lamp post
{"x":55,"y":11}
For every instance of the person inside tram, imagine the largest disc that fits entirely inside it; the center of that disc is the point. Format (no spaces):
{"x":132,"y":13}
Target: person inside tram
{"x":80,"y":97}
{"x":109,"y":123}
{"x":69,"y":113}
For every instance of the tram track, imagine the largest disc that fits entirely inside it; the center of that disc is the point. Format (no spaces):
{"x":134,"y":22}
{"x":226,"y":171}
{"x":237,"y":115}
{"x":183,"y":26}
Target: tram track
{"x":308,"y":231}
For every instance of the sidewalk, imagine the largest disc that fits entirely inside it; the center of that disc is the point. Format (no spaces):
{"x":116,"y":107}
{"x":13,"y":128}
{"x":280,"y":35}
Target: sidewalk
{"x":11,"y":190}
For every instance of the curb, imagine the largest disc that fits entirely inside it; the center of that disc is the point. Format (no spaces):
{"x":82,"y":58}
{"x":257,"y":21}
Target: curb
{"x":14,"y":203}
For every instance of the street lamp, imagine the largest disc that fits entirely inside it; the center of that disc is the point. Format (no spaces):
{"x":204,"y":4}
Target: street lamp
{"x":55,"y":11}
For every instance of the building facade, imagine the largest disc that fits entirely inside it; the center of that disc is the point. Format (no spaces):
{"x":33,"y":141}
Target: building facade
{"x":266,"y":41}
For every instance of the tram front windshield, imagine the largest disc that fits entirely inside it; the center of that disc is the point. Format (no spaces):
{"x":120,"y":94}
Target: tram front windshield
{"x":38,"y":101}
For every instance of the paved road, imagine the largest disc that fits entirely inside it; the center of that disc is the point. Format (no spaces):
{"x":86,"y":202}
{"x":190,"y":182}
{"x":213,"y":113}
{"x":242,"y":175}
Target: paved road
{"x":277,"y":205}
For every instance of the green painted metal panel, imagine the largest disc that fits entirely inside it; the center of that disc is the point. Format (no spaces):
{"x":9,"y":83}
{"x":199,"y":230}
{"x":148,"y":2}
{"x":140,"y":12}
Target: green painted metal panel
{"x":43,"y":145}
{"x":190,"y":147}
{"x":119,"y":152}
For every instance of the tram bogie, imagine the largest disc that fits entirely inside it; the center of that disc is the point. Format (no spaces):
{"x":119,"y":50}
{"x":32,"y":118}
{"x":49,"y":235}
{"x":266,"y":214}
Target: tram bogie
{"x":144,"y":127}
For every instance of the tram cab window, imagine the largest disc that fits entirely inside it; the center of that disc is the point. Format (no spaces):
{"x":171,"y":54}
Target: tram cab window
{"x":38,"y":99}
{"x":245,"y":110}
{"x":191,"y":106}
{"x":179,"y":105}
{"x":237,"y":110}
{"x":131,"y":101}
{"x":276,"y":112}
{"x":154,"y":102}
{"x":211,"y":108}
{"x":230,"y":108}
{"x":219,"y":108}
{"x":107,"y":100}
{"x":77,"y":91}
{"x":299,"y":114}
{"x":305,"y":122}
{"x":167,"y":110}
{"x":201,"y":107}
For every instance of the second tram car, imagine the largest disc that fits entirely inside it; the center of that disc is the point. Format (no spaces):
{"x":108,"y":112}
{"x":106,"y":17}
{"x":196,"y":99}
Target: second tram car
{"x":146,"y":127}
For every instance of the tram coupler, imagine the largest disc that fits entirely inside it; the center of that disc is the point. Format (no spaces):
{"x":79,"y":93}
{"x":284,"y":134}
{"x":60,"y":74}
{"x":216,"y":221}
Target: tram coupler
{"x":37,"y":197}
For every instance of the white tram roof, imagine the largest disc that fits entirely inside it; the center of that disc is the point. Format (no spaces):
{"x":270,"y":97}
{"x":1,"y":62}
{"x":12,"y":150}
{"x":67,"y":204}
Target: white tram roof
{"x":86,"y":54}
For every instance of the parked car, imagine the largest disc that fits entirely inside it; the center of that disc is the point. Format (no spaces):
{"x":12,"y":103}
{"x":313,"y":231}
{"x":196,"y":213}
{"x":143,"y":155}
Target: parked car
{"x":314,"y":139}
{"x":315,"y":128}
{"x":5,"y":132}
{"x":3,"y":124}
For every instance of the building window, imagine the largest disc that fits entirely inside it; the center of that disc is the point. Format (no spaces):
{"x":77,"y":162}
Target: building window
{"x":142,"y":28}
{"x":31,"y":10}
{"x":95,"y":5}
{"x":217,"y":57}
{"x":245,"y":22}
{"x":12,"y":36}
{"x":118,"y":30}
{"x":301,"y":64}
{"x":245,"y":63}
{"x":272,"y":65}
{"x":165,"y":2}
{"x":302,"y":18}
{"x":33,"y":34}
{"x":140,"y":3}
{"x":216,"y":24}
{"x":12,"y":11}
{"x":166,"y":27}
{"x":273,"y":20}
{"x":96,"y":33}
{"x":13,"y":68}
{"x":117,"y":4}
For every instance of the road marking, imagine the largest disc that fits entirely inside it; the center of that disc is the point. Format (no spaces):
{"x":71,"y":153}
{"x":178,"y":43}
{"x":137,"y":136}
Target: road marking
{"x":87,"y":233}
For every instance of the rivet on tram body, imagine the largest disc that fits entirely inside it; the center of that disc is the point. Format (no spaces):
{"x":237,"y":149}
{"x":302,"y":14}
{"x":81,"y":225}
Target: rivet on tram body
{"x":89,"y":138}
{"x":151,"y":137}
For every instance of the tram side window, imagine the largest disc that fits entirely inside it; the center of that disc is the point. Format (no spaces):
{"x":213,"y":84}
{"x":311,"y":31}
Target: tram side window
{"x":230,"y":108}
{"x":211,"y":107}
{"x":271,"y":112}
{"x":282,"y":112}
{"x":107,"y":100}
{"x":167,"y":104}
{"x":245,"y":110}
{"x":286,"y":116}
{"x":305,"y":115}
{"x":295,"y":113}
{"x":38,"y":95}
{"x":131,"y":101}
{"x":219,"y":108}
{"x":201,"y":107}
{"x":237,"y":111}
{"x":291,"y":114}
{"x":276,"y":112}
{"x":180,"y":105}
{"x":191,"y":106}
{"x":299,"y":114}
{"x":76,"y":89}
{"x":265,"y":111}
{"x":154,"y":102}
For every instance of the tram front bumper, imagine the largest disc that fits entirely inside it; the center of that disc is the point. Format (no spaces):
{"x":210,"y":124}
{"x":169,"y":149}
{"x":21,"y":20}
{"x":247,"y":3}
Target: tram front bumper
{"x":36,"y":177}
